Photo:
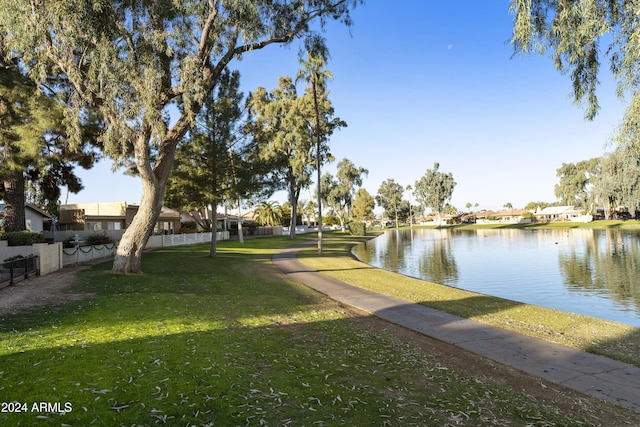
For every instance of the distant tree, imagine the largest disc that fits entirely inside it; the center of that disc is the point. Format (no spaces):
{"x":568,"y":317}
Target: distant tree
{"x":533,"y":206}
{"x":404,"y":211}
{"x":434,"y":189}
{"x":363,"y":205}
{"x":618,"y":183}
{"x":574,"y":184}
{"x":338,"y":193}
{"x":268,"y":213}
{"x":389,"y":197}
{"x":309,"y":209}
{"x":468,"y":206}
{"x":449,"y":209}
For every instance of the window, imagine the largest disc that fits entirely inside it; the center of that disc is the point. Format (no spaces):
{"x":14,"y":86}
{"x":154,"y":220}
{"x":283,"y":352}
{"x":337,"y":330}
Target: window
{"x":164,"y":227}
{"x":94,"y":226}
{"x":114,"y":225}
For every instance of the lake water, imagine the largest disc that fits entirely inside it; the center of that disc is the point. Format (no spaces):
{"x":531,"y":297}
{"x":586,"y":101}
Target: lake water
{"x":591,"y":272}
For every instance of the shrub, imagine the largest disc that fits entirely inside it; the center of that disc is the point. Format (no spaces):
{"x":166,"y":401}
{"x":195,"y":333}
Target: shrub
{"x":330,"y":220}
{"x":23,"y":238}
{"x":99,"y":239}
{"x":188,"y":225}
{"x":13,"y":258}
{"x":358,"y":228}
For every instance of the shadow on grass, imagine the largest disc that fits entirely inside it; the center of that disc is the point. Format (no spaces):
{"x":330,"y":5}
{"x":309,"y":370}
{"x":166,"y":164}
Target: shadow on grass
{"x":234,"y":343}
{"x":300,"y":367}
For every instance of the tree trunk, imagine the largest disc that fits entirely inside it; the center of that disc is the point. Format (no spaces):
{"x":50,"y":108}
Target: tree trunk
{"x":240,"y":232}
{"x":128,"y":256}
{"x":14,"y":216}
{"x":294,"y":194}
{"x":214,"y":229}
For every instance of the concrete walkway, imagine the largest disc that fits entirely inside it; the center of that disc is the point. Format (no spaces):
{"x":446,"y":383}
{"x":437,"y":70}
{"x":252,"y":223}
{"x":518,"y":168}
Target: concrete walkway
{"x":594,"y":375}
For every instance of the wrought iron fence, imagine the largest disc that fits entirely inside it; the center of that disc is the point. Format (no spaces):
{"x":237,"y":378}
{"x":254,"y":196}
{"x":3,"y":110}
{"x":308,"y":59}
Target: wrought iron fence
{"x":18,"y":268}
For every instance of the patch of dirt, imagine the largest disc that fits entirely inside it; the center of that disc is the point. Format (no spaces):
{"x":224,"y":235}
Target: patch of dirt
{"x":38,"y":291}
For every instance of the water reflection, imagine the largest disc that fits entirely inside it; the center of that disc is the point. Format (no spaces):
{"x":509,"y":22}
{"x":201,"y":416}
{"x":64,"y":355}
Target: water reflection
{"x":584,"y":271}
{"x":607,"y":263}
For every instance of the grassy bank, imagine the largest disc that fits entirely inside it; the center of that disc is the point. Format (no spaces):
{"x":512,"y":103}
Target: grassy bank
{"x":230,"y":341}
{"x":595,"y":225}
{"x":611,"y":339}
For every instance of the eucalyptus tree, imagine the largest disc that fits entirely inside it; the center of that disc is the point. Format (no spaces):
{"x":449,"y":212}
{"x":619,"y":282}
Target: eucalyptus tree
{"x":434,"y":189}
{"x":138,"y":60}
{"x":575,"y":181}
{"x":338,"y":192}
{"x":389,"y":197}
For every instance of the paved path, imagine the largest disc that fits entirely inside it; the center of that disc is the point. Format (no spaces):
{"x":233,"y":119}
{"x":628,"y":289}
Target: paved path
{"x":597,"y":376}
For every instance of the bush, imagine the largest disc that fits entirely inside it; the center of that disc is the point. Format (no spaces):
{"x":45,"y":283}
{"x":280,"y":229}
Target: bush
{"x":99,"y":239}
{"x":330,"y":220}
{"x":358,"y":228}
{"x":13,"y":258}
{"x":23,"y":238}
{"x":188,"y":225}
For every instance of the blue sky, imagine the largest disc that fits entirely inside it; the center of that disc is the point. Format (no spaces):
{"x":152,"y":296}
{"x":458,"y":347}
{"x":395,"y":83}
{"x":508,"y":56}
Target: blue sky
{"x":420,"y":82}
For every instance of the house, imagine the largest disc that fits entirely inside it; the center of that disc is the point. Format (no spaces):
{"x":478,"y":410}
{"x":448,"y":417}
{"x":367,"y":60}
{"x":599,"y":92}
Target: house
{"x":35,"y":218}
{"x":562,"y":213}
{"x":113,"y":216}
{"x":224,"y":221}
{"x":511,"y":216}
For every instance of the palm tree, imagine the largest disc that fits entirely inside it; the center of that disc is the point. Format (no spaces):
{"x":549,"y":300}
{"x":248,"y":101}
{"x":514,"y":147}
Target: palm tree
{"x":314,"y":73}
{"x":268,"y":213}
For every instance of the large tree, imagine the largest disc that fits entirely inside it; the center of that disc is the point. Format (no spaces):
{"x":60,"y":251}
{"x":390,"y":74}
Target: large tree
{"x":434,"y":189}
{"x":136,"y":60}
{"x":34,"y":150}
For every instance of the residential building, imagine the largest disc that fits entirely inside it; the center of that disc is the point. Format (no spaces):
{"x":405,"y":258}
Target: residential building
{"x":562,"y":213}
{"x":112,"y":216}
{"x":35,"y":218}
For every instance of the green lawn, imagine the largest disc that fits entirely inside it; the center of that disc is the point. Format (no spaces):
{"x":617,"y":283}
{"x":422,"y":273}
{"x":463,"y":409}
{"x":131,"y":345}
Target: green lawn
{"x":230,"y":341}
